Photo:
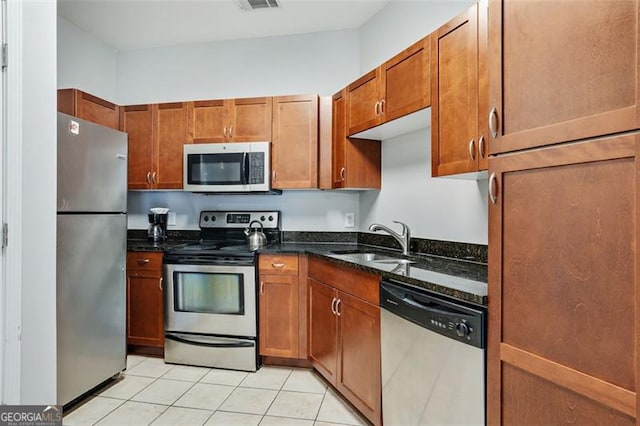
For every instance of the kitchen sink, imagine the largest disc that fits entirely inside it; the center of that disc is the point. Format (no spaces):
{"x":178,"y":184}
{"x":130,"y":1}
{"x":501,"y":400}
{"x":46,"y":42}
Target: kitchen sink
{"x":369,"y":257}
{"x":394,"y":260}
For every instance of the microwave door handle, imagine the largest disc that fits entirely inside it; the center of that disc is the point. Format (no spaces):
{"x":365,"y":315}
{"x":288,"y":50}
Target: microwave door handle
{"x":245,"y":168}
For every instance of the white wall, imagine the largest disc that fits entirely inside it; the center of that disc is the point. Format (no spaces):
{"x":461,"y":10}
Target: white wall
{"x":309,"y":63}
{"x":38,"y":233}
{"x":302,"y":210}
{"x":312,"y":63}
{"x":85,"y":63}
{"x":400,"y":24}
{"x":441,"y":208}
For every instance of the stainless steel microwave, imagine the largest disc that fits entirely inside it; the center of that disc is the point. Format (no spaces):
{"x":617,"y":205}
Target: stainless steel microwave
{"x":227,"y":167}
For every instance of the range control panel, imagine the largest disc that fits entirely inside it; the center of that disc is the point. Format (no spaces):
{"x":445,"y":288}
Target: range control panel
{"x":210,"y":219}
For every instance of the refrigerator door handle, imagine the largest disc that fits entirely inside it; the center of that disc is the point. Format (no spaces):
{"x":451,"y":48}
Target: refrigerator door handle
{"x":121,"y":156}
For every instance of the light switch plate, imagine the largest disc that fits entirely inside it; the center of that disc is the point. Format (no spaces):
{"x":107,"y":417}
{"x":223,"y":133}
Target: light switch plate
{"x":171,"y":219}
{"x":349,"y":220}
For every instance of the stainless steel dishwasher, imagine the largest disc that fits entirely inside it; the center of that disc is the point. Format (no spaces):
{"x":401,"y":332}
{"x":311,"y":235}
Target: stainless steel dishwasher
{"x":433,"y":358}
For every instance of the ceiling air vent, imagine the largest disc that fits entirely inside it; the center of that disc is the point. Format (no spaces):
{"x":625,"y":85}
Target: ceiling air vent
{"x":257,"y":4}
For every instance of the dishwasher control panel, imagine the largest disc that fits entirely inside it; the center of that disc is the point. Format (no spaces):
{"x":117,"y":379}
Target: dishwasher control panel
{"x":460,"y":322}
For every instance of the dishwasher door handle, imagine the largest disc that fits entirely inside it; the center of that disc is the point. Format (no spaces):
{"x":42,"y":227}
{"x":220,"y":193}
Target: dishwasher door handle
{"x":399,"y":297}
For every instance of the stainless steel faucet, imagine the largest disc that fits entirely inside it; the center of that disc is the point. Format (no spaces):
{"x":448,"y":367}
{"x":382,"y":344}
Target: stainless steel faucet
{"x":402,"y":238}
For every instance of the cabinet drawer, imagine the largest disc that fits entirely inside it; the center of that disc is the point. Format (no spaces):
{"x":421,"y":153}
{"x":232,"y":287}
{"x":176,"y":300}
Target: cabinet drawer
{"x":144,"y":261}
{"x":278,"y":264}
{"x":363,"y":285}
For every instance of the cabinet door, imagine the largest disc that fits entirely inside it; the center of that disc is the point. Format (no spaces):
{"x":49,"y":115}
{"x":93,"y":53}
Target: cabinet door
{"x":172,"y":133}
{"x":250,"y":120}
{"x":454,"y":109}
{"x":208,"y":121}
{"x":359,"y":355}
{"x":279,"y":315}
{"x":405,"y":81}
{"x":323,"y":329}
{"x":137,"y":122}
{"x":356,"y":163}
{"x":144,"y":310}
{"x":295,"y":142}
{"x":564,"y":305}
{"x":339,"y":140}
{"x":88,"y":107}
{"x":363,"y":103}
{"x":558,"y":74}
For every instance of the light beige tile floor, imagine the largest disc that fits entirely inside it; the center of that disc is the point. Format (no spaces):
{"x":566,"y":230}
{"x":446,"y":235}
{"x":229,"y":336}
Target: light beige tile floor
{"x":151,"y":392}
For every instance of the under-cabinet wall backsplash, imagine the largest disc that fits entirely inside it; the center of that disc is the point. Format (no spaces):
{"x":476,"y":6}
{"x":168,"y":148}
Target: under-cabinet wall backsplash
{"x":302,"y":210}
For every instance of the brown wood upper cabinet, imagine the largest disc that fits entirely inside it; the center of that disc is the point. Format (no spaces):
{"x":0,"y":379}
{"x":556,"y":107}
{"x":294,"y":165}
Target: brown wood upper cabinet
{"x":294,"y":149}
{"x":344,"y":333}
{"x":398,"y":87}
{"x":231,"y":120}
{"x":88,"y":107}
{"x":558,"y":75}
{"x":355,"y":163}
{"x":156,"y":135}
{"x":459,"y":89}
{"x":145,"y":318}
{"x":564,"y":305}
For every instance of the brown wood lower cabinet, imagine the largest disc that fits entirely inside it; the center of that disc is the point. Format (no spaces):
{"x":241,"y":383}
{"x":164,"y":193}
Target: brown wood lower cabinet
{"x":344,"y":333}
{"x":564,"y":304}
{"x":282,"y":322}
{"x":145,"y":319}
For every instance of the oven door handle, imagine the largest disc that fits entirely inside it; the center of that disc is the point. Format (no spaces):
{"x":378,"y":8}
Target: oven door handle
{"x":210,"y":342}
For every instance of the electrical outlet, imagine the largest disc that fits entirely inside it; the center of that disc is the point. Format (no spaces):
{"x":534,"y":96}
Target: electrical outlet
{"x":349,"y":220}
{"x":171,"y":219}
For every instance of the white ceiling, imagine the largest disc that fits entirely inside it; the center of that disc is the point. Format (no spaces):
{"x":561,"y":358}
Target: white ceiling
{"x":133,"y":24}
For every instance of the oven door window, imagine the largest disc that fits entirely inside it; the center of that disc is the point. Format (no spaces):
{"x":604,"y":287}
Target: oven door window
{"x":209,"y":293}
{"x":217,"y":169}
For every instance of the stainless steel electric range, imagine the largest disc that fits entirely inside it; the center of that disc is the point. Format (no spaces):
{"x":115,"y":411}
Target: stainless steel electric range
{"x":211,"y":293}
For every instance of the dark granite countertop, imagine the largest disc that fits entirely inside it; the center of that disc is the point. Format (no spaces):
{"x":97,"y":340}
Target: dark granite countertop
{"x":146,"y":245}
{"x":462,"y":280}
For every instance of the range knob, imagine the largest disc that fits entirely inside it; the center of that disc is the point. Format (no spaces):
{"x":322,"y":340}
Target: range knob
{"x":262,"y":218}
{"x":462,"y":329}
{"x":206,"y":218}
{"x":270,"y":218}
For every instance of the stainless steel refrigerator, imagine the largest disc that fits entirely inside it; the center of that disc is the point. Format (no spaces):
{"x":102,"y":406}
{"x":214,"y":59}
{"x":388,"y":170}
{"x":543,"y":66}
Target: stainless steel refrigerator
{"x":91,"y":255}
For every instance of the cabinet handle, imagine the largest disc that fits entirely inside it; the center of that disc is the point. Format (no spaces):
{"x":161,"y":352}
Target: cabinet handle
{"x":261,"y":287}
{"x":376,"y":108}
{"x":153,"y":177}
{"x":148,"y":177}
{"x":224,"y":131}
{"x":472,"y":149}
{"x":493,"y":122}
{"x":342,"y":170}
{"x":492,"y":188}
{"x":273,"y":176}
{"x":230,"y":131}
{"x":160,"y":283}
{"x":338,"y":307}
{"x":333,"y":309}
{"x":278,"y":265}
{"x":382,"y":103}
{"x":143,"y":261}
{"x":481,"y":146}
